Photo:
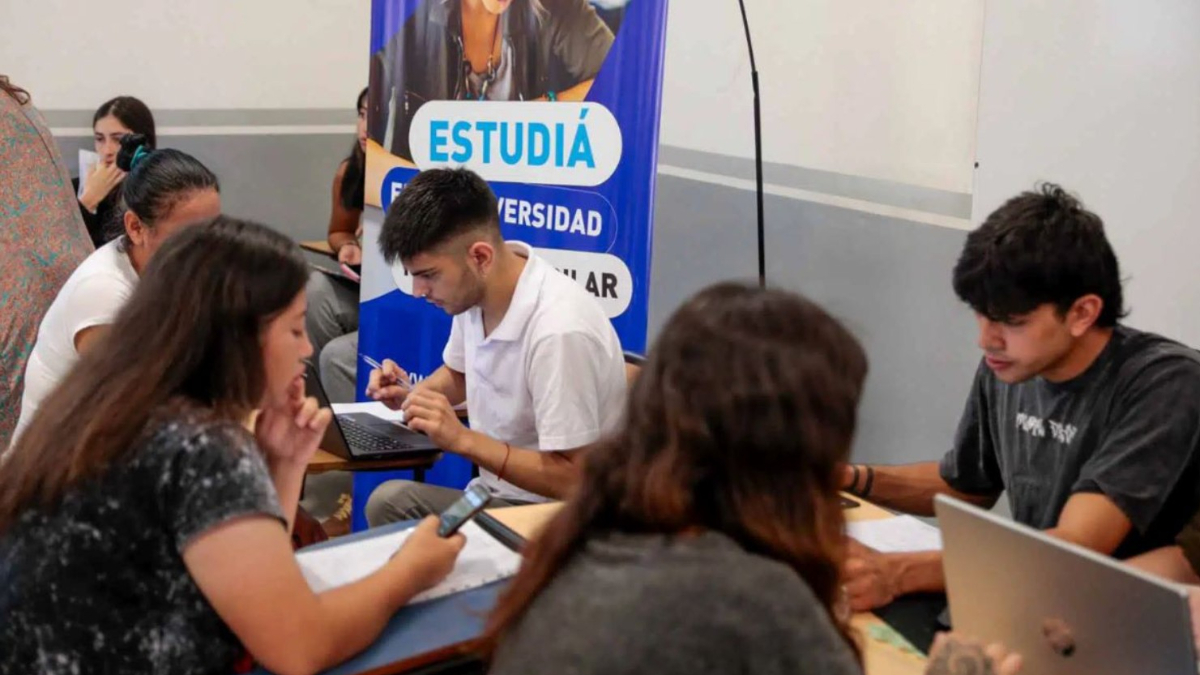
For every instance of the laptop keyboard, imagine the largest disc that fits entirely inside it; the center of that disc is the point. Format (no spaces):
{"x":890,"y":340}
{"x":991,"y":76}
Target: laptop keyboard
{"x":364,"y":441}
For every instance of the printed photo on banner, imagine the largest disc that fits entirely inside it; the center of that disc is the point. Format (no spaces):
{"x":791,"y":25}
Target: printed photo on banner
{"x":487,"y":50}
{"x":556,"y":104}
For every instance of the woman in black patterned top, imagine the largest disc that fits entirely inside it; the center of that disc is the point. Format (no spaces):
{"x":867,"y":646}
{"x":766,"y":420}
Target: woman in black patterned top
{"x":142,"y":527}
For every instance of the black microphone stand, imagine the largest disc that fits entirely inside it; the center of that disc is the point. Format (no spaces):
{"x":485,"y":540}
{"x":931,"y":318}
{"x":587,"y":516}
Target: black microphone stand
{"x":758,"y":161}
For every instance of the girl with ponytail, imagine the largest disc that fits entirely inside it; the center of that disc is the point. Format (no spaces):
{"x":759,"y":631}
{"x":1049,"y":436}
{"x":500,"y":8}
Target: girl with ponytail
{"x":163,"y":192}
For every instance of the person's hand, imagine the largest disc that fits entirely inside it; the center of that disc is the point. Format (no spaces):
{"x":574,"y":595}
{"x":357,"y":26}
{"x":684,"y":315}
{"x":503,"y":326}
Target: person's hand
{"x":350,"y":254}
{"x":952,"y":655}
{"x":869,"y":578}
{"x":427,"y":558}
{"x":289,"y":433}
{"x":430,"y":413}
{"x":99,"y":182}
{"x":389,"y":385}
{"x":846,"y":477}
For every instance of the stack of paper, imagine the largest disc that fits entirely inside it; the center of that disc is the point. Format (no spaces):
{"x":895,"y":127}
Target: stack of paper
{"x":373,"y":407}
{"x":482,"y":561}
{"x":902,"y":534}
{"x":87,"y":161}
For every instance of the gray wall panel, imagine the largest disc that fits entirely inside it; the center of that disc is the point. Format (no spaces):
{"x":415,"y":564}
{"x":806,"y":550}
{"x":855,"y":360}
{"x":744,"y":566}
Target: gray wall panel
{"x":887,"y":279}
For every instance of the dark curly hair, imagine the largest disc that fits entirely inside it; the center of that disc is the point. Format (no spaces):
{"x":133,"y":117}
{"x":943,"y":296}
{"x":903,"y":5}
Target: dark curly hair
{"x":1040,"y":247}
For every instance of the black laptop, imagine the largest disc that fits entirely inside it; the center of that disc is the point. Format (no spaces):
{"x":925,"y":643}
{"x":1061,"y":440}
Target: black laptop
{"x":363,"y":435}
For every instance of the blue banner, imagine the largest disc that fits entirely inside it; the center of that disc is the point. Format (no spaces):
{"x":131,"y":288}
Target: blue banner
{"x":558,"y":108}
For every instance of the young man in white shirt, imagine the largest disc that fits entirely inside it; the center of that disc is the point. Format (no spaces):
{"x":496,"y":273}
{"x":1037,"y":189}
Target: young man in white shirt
{"x":530,"y":350}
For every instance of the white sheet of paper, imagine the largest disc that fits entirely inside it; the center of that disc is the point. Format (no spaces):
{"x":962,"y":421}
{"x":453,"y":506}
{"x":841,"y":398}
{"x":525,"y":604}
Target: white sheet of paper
{"x":87,"y":159}
{"x":482,"y":561}
{"x":902,"y":534}
{"x":373,"y":407}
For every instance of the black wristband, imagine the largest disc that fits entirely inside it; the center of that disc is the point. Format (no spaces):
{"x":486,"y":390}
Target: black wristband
{"x":866,"y":492}
{"x":853,"y":489}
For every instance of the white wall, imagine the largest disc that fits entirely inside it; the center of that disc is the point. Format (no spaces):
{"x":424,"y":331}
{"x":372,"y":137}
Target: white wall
{"x":878,"y":88}
{"x":188,"y":54}
{"x":1103,"y":96}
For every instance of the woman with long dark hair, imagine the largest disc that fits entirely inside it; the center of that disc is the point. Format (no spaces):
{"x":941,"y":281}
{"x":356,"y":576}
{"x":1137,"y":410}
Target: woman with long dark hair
{"x":333,"y":317}
{"x":42,"y":238}
{"x":165,"y":191}
{"x":143,"y":528}
{"x":333,"y":299}
{"x":707,"y":535}
{"x":345,"y":229}
{"x":100,"y":193}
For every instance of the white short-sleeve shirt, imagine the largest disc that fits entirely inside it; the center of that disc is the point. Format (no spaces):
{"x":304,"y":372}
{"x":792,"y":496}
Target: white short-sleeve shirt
{"x":92,"y":296}
{"x":551,"y":376}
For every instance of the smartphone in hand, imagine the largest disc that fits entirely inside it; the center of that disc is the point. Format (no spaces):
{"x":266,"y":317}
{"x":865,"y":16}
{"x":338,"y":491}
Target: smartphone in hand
{"x":474,"y":500}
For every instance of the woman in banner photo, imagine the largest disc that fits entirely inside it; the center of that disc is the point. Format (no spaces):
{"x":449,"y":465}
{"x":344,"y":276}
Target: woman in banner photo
{"x":144,"y":528}
{"x":496,"y":50}
{"x":99,"y":184}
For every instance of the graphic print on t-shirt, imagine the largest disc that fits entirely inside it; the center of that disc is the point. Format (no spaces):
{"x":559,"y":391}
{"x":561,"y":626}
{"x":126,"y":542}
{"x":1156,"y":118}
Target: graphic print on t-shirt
{"x":1035,"y":426}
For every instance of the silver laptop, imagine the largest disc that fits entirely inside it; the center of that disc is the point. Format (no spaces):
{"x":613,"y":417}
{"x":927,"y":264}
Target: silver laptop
{"x":1067,"y":610}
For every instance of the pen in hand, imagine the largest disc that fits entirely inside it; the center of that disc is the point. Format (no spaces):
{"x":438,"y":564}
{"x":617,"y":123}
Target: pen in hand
{"x":402,"y":382}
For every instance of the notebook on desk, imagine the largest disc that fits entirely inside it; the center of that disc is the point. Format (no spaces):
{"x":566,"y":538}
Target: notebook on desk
{"x":433,"y":631}
{"x":484,"y":559}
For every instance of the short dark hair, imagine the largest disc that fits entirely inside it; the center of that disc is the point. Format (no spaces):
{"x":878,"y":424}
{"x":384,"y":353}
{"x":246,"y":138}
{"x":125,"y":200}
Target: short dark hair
{"x":434,"y":207}
{"x":1040,"y":247}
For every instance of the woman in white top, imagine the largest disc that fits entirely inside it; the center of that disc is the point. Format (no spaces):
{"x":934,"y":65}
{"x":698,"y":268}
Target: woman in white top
{"x":165,"y":190}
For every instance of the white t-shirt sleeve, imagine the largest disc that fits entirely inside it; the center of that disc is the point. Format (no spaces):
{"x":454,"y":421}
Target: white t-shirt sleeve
{"x":455,"y":355}
{"x":565,"y":380}
{"x":94,"y":301}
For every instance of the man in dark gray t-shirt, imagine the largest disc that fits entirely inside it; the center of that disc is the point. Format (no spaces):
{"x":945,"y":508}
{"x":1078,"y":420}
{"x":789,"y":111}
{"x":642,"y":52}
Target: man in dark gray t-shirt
{"x":1092,"y":428}
{"x":1127,"y":429}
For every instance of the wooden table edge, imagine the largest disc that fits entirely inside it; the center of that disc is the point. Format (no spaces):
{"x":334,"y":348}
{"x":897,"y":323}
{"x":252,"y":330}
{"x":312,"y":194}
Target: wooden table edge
{"x":323,"y":462}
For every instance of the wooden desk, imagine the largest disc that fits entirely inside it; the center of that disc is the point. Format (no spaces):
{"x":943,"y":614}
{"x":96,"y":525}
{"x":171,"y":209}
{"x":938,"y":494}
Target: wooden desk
{"x":324,"y":461}
{"x":879,"y":657}
{"x":525,"y":520}
{"x":318,"y":246}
